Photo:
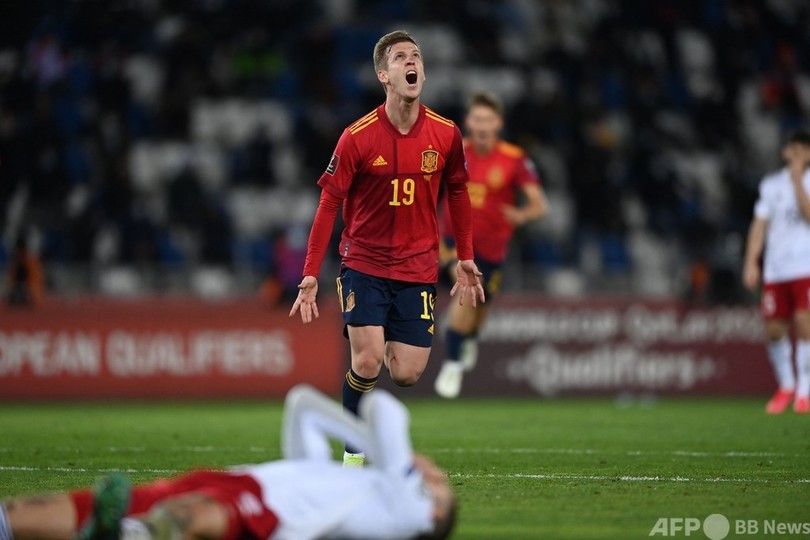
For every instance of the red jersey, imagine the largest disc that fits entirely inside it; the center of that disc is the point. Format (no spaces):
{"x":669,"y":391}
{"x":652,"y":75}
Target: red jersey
{"x":389,"y":184}
{"x":494,"y":181}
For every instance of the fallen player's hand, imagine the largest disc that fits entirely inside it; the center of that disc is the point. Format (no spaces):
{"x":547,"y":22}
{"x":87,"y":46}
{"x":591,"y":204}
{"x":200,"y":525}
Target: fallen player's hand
{"x":469,"y":281}
{"x":307,"y":291}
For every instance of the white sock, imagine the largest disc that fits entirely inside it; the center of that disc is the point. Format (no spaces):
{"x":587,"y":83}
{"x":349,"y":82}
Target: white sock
{"x":779,"y":353}
{"x":5,"y":527}
{"x":802,"y":368}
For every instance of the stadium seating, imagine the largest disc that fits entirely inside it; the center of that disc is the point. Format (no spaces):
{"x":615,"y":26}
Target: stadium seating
{"x":187,"y":140}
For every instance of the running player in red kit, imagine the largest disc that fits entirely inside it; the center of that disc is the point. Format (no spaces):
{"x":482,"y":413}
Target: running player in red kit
{"x":498,"y":170}
{"x":386,"y":170}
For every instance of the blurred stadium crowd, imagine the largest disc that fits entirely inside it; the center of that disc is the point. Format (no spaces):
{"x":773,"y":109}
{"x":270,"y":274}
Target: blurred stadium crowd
{"x":163,"y":146}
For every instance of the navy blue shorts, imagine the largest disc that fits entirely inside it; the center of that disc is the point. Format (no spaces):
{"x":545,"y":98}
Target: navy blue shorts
{"x":404,"y":310}
{"x":492,"y":277}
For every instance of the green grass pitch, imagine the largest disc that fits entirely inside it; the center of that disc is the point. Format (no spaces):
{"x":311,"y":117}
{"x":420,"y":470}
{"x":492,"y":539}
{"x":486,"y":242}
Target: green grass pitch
{"x":568,"y":468}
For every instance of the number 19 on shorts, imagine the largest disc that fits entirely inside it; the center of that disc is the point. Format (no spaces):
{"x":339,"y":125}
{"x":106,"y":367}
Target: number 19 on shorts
{"x":428,"y":303}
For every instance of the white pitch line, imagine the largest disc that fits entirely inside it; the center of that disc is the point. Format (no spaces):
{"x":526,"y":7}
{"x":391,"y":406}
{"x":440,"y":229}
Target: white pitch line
{"x":563,"y":451}
{"x":628,"y":478}
{"x":546,"y":451}
{"x":86,"y":470}
{"x":592,"y":451}
{"x":141,"y":449}
{"x":552,"y":476}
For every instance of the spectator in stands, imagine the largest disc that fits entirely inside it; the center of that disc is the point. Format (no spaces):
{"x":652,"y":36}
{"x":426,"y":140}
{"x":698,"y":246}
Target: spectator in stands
{"x":659,"y":106}
{"x":25,"y":282}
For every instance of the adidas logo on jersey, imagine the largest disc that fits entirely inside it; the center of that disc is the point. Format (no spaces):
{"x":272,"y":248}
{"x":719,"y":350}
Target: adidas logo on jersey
{"x":379,"y":162}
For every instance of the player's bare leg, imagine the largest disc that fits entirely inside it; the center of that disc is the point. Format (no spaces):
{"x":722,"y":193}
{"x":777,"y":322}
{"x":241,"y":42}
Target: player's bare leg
{"x":367,"y":349}
{"x":801,"y":403}
{"x":780,"y":351}
{"x":405,"y":362}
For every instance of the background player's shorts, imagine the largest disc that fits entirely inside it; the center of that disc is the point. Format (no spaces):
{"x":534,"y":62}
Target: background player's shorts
{"x":404,"y":310}
{"x":782,"y":300}
{"x":492,"y":277}
{"x":239,"y":493}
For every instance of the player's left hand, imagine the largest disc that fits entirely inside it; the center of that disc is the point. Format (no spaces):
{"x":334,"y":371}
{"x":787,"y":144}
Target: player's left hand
{"x":469,"y":281}
{"x":307,"y":291}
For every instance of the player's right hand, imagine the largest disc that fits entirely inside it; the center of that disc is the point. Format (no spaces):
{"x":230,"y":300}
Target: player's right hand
{"x":751,"y":274}
{"x":307,"y":291}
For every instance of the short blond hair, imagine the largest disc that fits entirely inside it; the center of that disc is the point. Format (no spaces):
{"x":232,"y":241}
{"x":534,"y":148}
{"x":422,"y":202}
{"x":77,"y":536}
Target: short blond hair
{"x":486,"y":99}
{"x":384,"y":45}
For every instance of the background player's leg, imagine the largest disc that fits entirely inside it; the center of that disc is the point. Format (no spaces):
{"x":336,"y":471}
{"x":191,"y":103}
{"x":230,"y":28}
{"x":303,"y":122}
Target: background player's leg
{"x":802,"y":398}
{"x":469,"y":349}
{"x":460,"y":328}
{"x":780,"y":351}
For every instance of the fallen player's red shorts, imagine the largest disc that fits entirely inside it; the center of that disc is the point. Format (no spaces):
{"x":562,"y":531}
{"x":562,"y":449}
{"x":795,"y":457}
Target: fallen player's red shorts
{"x":239,"y":493}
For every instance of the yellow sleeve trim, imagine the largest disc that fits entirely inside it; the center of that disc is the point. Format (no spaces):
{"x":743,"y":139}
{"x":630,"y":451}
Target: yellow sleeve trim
{"x":364,"y":122}
{"x":441,"y":119}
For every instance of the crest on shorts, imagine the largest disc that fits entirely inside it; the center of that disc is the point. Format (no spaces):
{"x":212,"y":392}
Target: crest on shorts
{"x":350,"y":302}
{"x":430,"y":161}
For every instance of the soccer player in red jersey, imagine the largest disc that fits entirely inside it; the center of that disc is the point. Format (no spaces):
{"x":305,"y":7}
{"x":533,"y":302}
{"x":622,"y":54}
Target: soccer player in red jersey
{"x":386,"y":170}
{"x":498,"y":170}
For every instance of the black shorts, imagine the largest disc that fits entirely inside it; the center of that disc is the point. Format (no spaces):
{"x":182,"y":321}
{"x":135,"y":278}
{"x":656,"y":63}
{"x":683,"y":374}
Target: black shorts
{"x":492,"y":277}
{"x":404,"y":310}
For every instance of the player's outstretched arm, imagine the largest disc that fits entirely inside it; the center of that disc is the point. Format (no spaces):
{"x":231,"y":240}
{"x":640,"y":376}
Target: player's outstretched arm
{"x":468,"y":282}
{"x":311,"y":419}
{"x":307,"y":291}
{"x":800,"y":161}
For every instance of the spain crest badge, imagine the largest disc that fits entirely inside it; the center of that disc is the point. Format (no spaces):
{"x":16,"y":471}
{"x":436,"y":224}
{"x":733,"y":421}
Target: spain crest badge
{"x":430,"y":161}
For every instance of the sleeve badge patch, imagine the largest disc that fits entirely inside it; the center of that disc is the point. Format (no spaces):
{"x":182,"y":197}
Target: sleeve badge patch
{"x":333,"y":165}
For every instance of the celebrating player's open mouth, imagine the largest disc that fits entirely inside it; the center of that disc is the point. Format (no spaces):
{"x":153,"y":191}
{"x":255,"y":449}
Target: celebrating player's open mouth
{"x":411,"y":77}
